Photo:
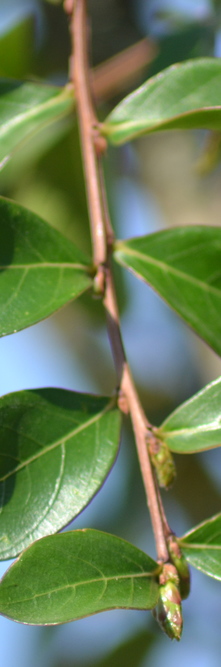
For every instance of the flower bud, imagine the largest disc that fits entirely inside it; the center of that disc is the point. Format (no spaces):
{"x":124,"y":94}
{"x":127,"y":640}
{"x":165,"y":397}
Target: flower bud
{"x":163,"y":462}
{"x":168,"y":612}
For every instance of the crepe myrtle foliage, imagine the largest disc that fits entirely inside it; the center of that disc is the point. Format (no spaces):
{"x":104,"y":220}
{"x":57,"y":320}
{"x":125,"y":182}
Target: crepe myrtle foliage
{"x":58,"y":446}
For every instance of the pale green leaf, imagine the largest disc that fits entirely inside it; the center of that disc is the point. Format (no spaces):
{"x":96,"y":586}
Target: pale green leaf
{"x":184,"y":96}
{"x":195,"y":425}
{"x":27,"y":107}
{"x":65,"y":577}
{"x":56,"y":449}
{"x":40,"y":270}
{"x":184,"y":266}
{"x":202,"y":547}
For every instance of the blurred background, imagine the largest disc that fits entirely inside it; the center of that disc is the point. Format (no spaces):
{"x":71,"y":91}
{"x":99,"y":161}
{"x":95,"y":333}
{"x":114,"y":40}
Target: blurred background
{"x":159,"y":181}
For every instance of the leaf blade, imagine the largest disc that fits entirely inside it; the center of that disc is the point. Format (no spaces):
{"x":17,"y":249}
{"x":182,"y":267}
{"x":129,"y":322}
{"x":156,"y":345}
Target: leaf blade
{"x":202,"y":547}
{"x":56,"y":449}
{"x":26,"y":108}
{"x":40,"y":270}
{"x":78,"y":573}
{"x":183,"y":265}
{"x":196,"y":424}
{"x":182,"y":96}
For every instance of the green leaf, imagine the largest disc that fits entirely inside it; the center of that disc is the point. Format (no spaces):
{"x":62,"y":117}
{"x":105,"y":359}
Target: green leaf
{"x":184,"y":96}
{"x":202,"y":547}
{"x":130,"y":653}
{"x":184,"y":266}
{"x":56,"y":449}
{"x":195,"y":425}
{"x":40,"y":270}
{"x":65,"y":577}
{"x":19,"y":39}
{"x":25,"y":108}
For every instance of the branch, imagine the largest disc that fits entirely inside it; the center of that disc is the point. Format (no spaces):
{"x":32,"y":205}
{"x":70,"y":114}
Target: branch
{"x":121,"y":70}
{"x":87,"y":125}
{"x":138,"y":418}
{"x":102,"y":236}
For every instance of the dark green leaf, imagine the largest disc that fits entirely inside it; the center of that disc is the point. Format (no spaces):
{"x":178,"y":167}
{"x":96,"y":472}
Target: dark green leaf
{"x":131,"y":653}
{"x":191,"y":40}
{"x":202,"y":547}
{"x":56,"y":449}
{"x":65,"y":577}
{"x":184,"y":266}
{"x":195,"y":425}
{"x":25,"y":108}
{"x":19,"y":39}
{"x":40,"y":270}
{"x":185,"y":95}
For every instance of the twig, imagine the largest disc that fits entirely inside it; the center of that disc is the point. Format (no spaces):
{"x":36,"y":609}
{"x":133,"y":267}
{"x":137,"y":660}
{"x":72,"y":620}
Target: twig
{"x":87,"y":124}
{"x":102,"y":235}
{"x":138,"y":418}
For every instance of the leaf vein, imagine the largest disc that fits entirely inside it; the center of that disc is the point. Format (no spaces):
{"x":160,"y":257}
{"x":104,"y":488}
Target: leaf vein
{"x":59,"y":442}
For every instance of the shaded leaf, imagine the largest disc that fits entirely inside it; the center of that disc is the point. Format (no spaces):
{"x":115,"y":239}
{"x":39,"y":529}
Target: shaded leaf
{"x":131,"y":652}
{"x":27,"y":107}
{"x":195,"y":425}
{"x":56,"y":449}
{"x":19,"y":39}
{"x":184,"y":96}
{"x":65,"y":577}
{"x":184,"y":266}
{"x":189,"y":41}
{"x":40,"y":270}
{"x":202,"y":547}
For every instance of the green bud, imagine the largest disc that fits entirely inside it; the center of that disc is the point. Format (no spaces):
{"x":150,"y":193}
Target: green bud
{"x":168,"y":612}
{"x":163,"y":462}
{"x":181,"y":566}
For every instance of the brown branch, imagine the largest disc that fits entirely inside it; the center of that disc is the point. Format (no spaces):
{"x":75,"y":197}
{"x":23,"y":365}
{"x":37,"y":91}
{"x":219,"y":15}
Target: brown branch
{"x":87,"y":124}
{"x":138,"y":418}
{"x":102,"y":236}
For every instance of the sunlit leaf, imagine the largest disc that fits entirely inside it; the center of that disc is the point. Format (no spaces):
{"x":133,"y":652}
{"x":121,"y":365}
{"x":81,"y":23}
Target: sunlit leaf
{"x":25,"y":108}
{"x":184,"y":266}
{"x":76,"y":574}
{"x":195,"y":425}
{"x":40,"y":270}
{"x":56,"y":449}
{"x":202,"y":547}
{"x":185,"y":95}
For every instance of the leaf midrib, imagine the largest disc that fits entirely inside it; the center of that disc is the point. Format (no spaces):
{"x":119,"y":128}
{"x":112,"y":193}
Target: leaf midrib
{"x":104,"y":580}
{"x":207,"y":546}
{"x":204,"y":428}
{"x":59,"y":265}
{"x":59,"y":442}
{"x":169,"y":269}
{"x":142,"y":127}
{"x":33,"y":112}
